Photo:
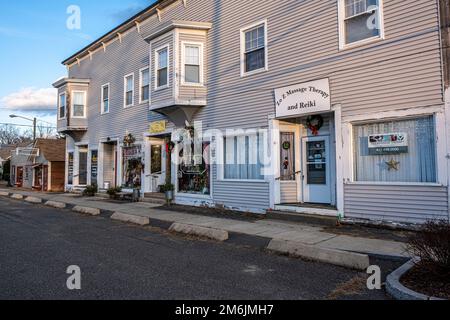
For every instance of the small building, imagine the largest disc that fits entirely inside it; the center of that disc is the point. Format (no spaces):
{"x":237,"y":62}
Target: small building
{"x":21,"y":169}
{"x":47,"y":162}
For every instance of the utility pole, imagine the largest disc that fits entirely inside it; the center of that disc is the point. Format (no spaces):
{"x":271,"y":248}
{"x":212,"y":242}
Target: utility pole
{"x":34,"y":129}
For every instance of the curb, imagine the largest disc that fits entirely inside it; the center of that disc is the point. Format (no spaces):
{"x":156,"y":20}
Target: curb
{"x":33,"y":200}
{"x":399,"y":291}
{"x":210,"y":233}
{"x":336,"y":257}
{"x":86,"y":210}
{"x":123,"y":217}
{"x":4,"y":194}
{"x":17,"y":196}
{"x":57,"y":205}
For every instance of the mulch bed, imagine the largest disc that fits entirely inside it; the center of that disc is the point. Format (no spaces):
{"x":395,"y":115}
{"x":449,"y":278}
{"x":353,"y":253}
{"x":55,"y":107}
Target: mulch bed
{"x":425,"y":279}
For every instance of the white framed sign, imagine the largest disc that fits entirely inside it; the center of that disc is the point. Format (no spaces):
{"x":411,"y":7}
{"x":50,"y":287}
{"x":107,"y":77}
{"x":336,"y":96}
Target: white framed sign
{"x":305,"y":98}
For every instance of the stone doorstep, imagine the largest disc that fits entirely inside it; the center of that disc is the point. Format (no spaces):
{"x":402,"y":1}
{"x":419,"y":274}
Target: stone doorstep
{"x":399,"y":291}
{"x":210,"y":233}
{"x":336,"y":257}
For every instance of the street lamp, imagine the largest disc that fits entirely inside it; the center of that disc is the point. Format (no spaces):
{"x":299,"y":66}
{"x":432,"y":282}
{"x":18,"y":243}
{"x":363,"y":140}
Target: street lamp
{"x":34,"y":120}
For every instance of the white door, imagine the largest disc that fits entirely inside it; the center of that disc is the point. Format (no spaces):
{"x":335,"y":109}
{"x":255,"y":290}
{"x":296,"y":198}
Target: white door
{"x":316,"y":170}
{"x":157,"y":166}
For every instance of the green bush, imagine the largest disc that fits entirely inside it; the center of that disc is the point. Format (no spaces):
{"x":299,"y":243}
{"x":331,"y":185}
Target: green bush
{"x":166,"y":187}
{"x":90,"y":191}
{"x":112,"y":192}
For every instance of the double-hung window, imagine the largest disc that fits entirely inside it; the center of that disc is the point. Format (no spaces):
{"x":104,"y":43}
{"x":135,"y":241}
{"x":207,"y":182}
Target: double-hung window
{"x":162,"y":67}
{"x":129,"y":90}
{"x":79,"y":104}
{"x":242,"y":157}
{"x":192,"y":65}
{"x":254,"y":48}
{"x":105,"y":98}
{"x":361,"y":20}
{"x":144,"y":81}
{"x":62,"y":106}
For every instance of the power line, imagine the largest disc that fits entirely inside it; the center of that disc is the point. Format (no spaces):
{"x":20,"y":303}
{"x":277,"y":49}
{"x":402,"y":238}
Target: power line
{"x":24,"y":125}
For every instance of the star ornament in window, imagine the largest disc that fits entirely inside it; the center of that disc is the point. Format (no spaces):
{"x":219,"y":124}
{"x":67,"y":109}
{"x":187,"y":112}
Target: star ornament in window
{"x":393,"y":165}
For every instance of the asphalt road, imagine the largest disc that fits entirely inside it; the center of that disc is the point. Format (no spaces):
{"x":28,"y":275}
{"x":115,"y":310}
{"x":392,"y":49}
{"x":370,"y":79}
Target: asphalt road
{"x":120,"y":261}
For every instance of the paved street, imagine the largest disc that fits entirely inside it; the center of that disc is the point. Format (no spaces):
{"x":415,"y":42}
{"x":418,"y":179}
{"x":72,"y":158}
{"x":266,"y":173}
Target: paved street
{"x":120,"y":261}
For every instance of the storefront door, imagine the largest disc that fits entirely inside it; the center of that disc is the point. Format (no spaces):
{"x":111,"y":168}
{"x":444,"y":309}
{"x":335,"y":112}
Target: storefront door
{"x":316,"y":170}
{"x":157,"y":177}
{"x":83,"y":164}
{"x":19,"y":177}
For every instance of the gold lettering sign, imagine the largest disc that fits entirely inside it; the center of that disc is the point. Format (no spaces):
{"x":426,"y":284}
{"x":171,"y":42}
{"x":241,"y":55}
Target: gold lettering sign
{"x":157,"y":127}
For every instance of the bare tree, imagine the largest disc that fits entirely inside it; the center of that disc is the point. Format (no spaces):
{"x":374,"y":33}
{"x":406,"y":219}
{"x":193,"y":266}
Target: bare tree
{"x":11,"y":135}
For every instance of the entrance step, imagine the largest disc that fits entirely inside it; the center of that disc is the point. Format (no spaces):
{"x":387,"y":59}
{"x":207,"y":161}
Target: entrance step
{"x":155,"y":198}
{"x":301,"y":218}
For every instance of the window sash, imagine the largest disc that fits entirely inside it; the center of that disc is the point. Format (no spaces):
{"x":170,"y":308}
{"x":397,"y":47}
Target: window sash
{"x":162,"y":59}
{"x":255,"y":38}
{"x":105,"y":99}
{"x":242,"y":157}
{"x":162,"y":75}
{"x":79,"y":104}
{"x":145,"y":85}
{"x":62,"y":106}
{"x":129,"y":90}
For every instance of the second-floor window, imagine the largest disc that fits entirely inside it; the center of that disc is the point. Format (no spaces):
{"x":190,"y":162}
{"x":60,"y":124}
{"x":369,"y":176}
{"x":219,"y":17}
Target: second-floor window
{"x":192,"y":65}
{"x":254,"y":48}
{"x":129,"y":90}
{"x":62,"y":105}
{"x":79,"y":104}
{"x":360,"y":21}
{"x":144,"y":85}
{"x":105,"y":98}
{"x":162,"y":63}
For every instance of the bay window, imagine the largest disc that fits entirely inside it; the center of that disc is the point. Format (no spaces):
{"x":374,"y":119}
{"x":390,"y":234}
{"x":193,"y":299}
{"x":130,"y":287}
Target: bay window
{"x":397,"y":151}
{"x":162,"y":67}
{"x":78,"y":104}
{"x":62,"y":106}
{"x":254,"y":48}
{"x":192,"y":63}
{"x":360,"y":20}
{"x":242,"y":157}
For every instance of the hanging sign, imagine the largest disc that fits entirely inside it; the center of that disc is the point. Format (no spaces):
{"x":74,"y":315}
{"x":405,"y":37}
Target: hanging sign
{"x":305,"y":98}
{"x":157,"y":127}
{"x":390,"y":143}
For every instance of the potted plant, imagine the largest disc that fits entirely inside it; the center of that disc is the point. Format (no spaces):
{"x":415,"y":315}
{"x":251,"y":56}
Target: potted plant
{"x":112,"y":192}
{"x":168,"y":189}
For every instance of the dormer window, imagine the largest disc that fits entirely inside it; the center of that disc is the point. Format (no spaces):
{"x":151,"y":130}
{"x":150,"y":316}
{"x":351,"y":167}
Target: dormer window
{"x":162,"y":72}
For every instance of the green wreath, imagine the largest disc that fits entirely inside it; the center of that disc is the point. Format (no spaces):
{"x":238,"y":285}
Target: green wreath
{"x":286,"y":145}
{"x":315,"y":123}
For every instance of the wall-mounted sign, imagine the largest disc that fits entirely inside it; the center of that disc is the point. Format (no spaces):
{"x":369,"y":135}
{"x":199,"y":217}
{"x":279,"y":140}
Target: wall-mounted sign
{"x":157,"y":127}
{"x":305,"y":98}
{"x":94,"y":166}
{"x":390,"y":143}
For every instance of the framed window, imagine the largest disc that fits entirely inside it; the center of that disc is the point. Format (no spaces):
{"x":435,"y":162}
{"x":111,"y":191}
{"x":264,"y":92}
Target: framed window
{"x":144,"y":85}
{"x":129,"y":90}
{"x":192,"y":65}
{"x":78,"y":104}
{"x":397,"y":151}
{"x":242,"y":157}
{"x":105,"y":99}
{"x":194,"y":178}
{"x":62,"y":106}
{"x":361,"y":21}
{"x":162,"y":67}
{"x":254,"y":50}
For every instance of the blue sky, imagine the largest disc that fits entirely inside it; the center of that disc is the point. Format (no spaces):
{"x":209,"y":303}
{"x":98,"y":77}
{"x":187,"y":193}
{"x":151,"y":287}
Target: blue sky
{"x":34,"y":40}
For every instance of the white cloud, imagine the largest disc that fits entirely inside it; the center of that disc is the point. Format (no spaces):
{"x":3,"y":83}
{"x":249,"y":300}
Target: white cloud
{"x":31,"y":99}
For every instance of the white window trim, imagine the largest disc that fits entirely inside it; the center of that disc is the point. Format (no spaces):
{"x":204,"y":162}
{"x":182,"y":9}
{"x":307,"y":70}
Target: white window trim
{"x":184,"y":44}
{"x":125,"y":105}
{"x":341,"y":22}
{"x":140,"y":85}
{"x":59,"y":106}
{"x":156,"y":67}
{"x":266,"y":48}
{"x":72,"y":105}
{"x":102,"y":99}
{"x":221,"y":156}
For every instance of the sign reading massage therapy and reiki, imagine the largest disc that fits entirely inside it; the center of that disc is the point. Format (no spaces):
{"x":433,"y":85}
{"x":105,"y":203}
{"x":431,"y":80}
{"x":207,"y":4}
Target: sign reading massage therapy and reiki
{"x":305,"y":98}
{"x":385,"y":144}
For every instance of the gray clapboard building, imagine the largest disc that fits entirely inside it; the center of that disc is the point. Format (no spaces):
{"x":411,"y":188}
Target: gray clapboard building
{"x":336,"y":107}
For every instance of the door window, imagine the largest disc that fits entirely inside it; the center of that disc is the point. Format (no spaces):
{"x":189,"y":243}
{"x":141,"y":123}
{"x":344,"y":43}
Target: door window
{"x":82,"y":175}
{"x":287,"y":170}
{"x":156,"y":163}
{"x":316,"y":162}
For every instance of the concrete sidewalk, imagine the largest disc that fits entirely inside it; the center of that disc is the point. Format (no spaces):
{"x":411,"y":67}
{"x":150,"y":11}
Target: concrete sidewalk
{"x":279,"y":231}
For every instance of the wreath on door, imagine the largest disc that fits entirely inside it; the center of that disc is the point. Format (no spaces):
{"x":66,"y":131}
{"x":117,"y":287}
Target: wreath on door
{"x":315,"y":123}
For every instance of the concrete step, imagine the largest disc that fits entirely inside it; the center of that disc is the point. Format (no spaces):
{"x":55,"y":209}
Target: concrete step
{"x":154,"y":195}
{"x":301,"y":218}
{"x":155,"y":198}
